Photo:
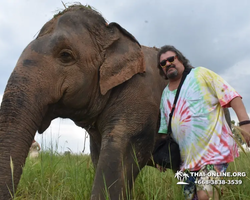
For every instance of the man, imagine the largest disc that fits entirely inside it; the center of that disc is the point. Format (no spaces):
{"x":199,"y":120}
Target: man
{"x":198,"y":124}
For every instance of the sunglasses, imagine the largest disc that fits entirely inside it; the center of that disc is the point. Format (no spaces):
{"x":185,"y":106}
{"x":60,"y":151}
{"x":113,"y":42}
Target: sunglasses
{"x":169,"y":59}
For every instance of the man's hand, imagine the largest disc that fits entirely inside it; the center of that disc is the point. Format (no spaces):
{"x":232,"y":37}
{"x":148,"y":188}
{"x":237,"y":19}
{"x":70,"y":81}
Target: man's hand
{"x":245,"y":131}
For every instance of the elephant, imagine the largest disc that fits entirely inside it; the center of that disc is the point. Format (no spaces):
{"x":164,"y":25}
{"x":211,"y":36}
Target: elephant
{"x":96,"y":74}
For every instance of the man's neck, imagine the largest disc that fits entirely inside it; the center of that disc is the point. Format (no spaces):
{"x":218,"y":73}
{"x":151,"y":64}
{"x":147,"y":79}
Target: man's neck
{"x":173,"y":84}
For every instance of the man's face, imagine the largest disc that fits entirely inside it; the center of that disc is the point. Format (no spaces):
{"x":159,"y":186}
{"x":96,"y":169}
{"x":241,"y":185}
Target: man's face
{"x":173,"y":68}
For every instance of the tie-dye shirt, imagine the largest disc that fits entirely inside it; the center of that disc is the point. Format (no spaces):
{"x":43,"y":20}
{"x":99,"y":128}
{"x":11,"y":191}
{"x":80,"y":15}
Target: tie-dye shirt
{"x":198,"y":123}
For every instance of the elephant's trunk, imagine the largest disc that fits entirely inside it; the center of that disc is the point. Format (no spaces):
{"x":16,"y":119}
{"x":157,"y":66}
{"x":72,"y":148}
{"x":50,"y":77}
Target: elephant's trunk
{"x":20,"y":116}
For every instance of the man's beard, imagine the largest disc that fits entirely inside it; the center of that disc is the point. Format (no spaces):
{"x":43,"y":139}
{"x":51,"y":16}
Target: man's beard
{"x":172,"y":74}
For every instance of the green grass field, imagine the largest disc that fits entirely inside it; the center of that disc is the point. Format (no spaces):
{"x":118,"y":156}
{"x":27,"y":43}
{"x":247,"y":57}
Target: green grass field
{"x":69,"y":177}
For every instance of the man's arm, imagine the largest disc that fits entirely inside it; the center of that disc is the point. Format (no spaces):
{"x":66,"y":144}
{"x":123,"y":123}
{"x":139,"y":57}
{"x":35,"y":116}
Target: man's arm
{"x":240,"y":111}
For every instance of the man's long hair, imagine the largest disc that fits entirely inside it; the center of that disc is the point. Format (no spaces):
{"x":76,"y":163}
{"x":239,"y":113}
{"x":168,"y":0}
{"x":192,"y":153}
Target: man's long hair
{"x":179,"y":55}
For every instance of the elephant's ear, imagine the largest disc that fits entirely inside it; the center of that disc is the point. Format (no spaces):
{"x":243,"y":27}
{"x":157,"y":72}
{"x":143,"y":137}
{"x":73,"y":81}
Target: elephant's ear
{"x":123,"y":59}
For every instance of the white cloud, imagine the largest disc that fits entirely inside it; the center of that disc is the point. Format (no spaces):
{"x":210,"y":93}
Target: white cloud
{"x":237,"y":75}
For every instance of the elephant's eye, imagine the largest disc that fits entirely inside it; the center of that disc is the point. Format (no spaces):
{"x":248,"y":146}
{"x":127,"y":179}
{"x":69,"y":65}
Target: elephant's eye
{"x":66,"y":57}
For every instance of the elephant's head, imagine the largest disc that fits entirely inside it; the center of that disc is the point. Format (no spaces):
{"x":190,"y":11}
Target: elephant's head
{"x":67,"y":71}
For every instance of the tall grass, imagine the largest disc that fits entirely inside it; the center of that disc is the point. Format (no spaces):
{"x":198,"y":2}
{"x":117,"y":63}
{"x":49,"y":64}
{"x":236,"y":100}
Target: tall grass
{"x":70,"y":177}
{"x":54,"y":176}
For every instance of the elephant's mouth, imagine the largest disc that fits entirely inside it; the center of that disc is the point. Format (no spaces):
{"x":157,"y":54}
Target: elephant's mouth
{"x":54,"y":111}
{"x":48,"y":117}
{"x":45,"y":124}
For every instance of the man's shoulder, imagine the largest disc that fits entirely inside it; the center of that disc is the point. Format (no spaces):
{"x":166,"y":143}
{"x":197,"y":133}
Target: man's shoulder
{"x":203,"y":71}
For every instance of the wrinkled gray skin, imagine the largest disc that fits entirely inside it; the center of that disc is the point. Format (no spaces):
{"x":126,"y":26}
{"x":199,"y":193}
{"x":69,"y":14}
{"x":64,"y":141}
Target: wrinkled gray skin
{"x":98,"y":76}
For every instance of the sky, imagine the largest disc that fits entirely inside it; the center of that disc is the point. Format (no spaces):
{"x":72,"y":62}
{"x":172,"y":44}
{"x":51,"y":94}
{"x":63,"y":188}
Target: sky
{"x":210,"y":33}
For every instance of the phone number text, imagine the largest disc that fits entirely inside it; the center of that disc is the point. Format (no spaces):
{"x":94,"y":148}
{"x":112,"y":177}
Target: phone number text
{"x":218,"y":182}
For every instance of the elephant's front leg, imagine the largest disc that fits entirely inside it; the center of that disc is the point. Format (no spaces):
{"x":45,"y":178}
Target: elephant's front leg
{"x":120,"y":160}
{"x":95,"y":145}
